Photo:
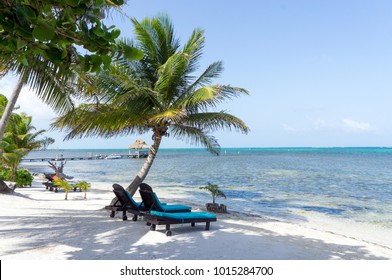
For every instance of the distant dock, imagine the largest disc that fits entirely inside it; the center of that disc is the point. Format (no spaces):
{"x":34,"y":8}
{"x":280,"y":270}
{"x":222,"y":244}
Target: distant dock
{"x":90,"y":157}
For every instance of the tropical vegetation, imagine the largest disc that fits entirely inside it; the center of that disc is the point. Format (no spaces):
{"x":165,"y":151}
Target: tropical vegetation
{"x":214,"y":190}
{"x":83,"y":186}
{"x":19,"y":139}
{"x":41,"y":39}
{"x":23,"y":177}
{"x":46,"y":141}
{"x":160,"y":94}
{"x":64,"y":185}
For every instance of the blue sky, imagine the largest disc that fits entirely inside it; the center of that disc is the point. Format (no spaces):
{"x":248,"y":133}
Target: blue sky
{"x":319,"y":72}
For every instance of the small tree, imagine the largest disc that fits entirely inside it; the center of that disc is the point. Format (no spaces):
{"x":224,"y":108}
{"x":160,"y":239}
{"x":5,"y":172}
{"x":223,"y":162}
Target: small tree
{"x":214,"y":190}
{"x":84,"y":186}
{"x":46,"y":142}
{"x":23,"y":178}
{"x":63,"y":184}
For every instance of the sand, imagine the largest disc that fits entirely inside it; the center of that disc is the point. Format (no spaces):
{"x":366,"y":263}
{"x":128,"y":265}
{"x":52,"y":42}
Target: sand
{"x":40,"y":225}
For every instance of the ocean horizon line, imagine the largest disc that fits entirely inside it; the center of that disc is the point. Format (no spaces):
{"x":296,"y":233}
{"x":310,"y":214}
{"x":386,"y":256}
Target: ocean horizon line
{"x":237,"y":148}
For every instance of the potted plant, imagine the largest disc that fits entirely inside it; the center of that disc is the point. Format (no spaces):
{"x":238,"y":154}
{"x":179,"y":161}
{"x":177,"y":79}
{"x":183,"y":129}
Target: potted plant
{"x":83,"y":186}
{"x":215,"y":193}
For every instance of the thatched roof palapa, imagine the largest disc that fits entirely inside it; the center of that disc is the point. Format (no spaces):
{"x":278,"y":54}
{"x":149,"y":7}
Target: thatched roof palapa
{"x":139,"y":145}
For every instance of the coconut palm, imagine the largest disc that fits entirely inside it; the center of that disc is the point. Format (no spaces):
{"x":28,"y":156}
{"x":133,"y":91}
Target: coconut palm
{"x":84,"y":186}
{"x":64,"y":185}
{"x":159,"y":94}
{"x":19,"y":139}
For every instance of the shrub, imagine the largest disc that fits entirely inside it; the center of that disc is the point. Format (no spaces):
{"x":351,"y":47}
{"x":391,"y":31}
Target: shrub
{"x":4,"y":173}
{"x":23,"y":178}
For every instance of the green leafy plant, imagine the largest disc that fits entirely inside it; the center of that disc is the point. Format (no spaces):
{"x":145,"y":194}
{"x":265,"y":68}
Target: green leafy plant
{"x":4,"y":173}
{"x":19,"y":139}
{"x":46,"y":42}
{"x":214,"y":190}
{"x":63,"y":184}
{"x":84,"y":186}
{"x":52,"y":29}
{"x":23,"y":178}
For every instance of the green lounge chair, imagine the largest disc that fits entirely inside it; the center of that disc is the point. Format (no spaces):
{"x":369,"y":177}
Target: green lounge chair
{"x":162,"y":218}
{"x":152,"y":202}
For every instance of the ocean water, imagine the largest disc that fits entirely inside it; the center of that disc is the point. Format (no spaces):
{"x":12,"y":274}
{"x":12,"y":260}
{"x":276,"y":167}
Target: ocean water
{"x":351,"y":184}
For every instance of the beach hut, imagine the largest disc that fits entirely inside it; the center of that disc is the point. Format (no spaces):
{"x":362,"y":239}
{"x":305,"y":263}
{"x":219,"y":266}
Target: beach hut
{"x":138,"y":145}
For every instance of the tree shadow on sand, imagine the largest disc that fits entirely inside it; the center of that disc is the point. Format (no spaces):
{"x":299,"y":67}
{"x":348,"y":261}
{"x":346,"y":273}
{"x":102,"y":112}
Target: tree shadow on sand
{"x":93,"y":235}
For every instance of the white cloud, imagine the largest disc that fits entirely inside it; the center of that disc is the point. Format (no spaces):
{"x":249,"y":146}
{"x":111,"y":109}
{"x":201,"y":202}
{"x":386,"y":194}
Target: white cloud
{"x":320,"y":124}
{"x":289,"y":128}
{"x":352,"y":125}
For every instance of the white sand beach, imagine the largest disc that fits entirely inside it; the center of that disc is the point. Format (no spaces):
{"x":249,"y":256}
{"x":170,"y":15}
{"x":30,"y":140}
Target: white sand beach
{"x":40,"y":225}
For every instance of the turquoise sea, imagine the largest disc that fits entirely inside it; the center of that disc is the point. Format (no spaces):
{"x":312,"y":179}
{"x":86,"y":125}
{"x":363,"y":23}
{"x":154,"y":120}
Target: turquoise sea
{"x":353,"y":184}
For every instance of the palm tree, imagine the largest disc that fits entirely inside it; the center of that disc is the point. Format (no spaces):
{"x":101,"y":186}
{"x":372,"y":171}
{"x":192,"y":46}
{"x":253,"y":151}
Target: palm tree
{"x":214,"y":191}
{"x":46,"y":142}
{"x":19,"y":139}
{"x":157,"y":94}
{"x":84,"y":186}
{"x":63,"y":184}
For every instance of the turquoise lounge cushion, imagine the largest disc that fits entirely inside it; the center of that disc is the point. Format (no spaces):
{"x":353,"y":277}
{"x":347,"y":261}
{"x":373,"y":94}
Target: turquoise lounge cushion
{"x":175,"y":207}
{"x":137,"y":204}
{"x":184,"y":215}
{"x":171,"y":207}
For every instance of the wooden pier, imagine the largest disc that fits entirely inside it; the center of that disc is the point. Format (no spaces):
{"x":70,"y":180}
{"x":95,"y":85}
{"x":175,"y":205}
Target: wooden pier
{"x":95,"y":157}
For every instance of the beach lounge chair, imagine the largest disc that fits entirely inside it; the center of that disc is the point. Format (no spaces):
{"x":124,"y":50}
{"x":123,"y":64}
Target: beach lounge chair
{"x":162,"y":218}
{"x":49,"y":183}
{"x":125,"y":203}
{"x":152,"y":202}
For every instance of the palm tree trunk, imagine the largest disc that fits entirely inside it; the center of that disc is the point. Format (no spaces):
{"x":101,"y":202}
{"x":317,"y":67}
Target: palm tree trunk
{"x":142,"y":174}
{"x":11,"y":104}
{"x":4,"y":187}
{"x":12,"y":173}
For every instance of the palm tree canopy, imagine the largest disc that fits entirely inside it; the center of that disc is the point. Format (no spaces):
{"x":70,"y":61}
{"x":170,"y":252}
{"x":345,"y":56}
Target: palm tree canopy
{"x":159,"y":93}
{"x":214,"y":190}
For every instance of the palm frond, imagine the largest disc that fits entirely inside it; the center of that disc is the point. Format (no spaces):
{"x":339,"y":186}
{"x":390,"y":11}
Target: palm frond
{"x":213,"y":121}
{"x":171,"y":77}
{"x":195,"y":136}
{"x":172,"y":115}
{"x":194,"y":47}
{"x":90,"y":120}
{"x":213,"y":71}
{"x":51,"y":83}
{"x":210,"y":96}
{"x":156,"y":39}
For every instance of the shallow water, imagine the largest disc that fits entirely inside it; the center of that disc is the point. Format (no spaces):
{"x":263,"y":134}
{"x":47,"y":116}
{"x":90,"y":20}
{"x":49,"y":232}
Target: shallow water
{"x":352,"y":184}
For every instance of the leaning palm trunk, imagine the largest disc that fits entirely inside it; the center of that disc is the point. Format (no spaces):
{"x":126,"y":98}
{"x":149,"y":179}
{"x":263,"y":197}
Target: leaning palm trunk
{"x":142,"y":174}
{"x":11,"y":104}
{"x":4,"y":187}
